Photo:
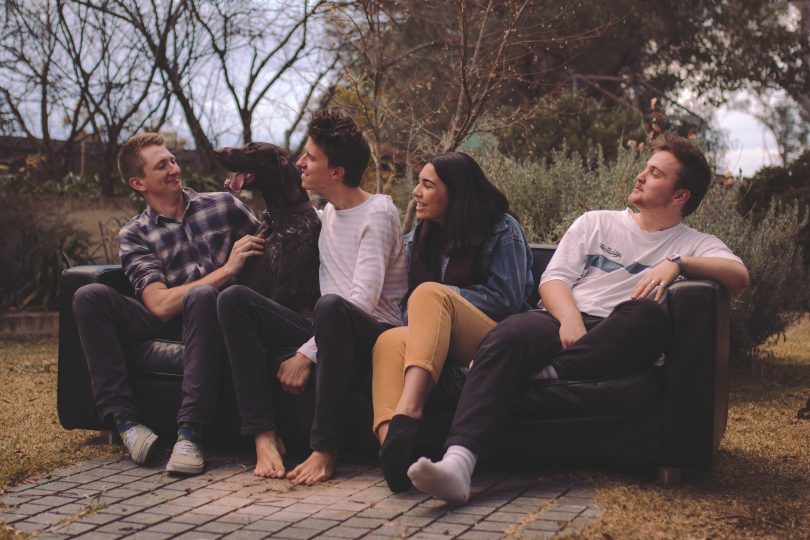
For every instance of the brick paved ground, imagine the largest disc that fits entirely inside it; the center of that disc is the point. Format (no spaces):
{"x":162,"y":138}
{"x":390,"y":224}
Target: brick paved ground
{"x":112,"y":498}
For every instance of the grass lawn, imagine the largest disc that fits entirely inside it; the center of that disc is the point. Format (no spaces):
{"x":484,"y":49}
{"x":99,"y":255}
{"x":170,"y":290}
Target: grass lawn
{"x":31,"y":440}
{"x":758,"y":488}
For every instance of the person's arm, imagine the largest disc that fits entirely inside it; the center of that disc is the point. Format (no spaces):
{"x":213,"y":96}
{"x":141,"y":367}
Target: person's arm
{"x":379,"y":237}
{"x":505,"y":290}
{"x":166,"y":303}
{"x":559,"y":302}
{"x":564,"y":269}
{"x":729,"y":273}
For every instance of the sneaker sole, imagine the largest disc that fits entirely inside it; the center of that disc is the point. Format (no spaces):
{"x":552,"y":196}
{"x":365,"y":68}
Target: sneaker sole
{"x":145,"y":451}
{"x":179,"y":468}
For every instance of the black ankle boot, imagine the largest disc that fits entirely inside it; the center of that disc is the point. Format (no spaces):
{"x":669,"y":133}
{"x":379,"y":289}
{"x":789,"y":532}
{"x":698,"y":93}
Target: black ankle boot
{"x":396,"y":452}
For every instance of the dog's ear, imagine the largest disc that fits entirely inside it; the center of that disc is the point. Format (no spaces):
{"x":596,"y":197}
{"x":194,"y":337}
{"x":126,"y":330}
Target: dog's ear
{"x":290,"y":178}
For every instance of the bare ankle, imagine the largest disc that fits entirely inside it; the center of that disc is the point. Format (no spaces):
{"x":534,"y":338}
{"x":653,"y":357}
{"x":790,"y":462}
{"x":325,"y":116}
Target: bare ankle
{"x":414,"y":410}
{"x":382,"y":431}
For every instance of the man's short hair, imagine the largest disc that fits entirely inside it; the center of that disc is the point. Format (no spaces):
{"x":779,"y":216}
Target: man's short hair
{"x":343,"y":143}
{"x":695,"y":175}
{"x":130,"y":162}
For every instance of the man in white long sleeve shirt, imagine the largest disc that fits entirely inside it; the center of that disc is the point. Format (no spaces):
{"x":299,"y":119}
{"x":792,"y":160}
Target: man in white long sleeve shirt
{"x":601,"y":313}
{"x":363,"y":277}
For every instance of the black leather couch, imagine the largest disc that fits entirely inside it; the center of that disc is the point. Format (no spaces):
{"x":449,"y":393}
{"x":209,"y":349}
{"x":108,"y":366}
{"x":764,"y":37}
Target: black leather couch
{"x":671,"y":415}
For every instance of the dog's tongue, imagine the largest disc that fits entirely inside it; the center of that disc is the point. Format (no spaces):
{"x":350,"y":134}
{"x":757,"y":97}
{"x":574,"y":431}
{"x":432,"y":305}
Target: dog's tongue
{"x":237,"y":182}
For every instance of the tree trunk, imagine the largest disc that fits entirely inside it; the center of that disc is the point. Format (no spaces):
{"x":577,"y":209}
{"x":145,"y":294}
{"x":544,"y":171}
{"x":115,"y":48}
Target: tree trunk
{"x":804,"y":23}
{"x":205,"y":150}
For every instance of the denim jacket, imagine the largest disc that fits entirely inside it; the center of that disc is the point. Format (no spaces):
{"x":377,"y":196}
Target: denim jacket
{"x":509,"y":280}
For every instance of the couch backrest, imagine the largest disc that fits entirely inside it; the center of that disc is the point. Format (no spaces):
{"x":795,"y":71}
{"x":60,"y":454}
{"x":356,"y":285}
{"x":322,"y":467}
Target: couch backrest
{"x":542,"y":254}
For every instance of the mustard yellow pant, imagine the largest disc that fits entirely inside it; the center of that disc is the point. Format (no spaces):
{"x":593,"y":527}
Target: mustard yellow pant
{"x":442,"y":326}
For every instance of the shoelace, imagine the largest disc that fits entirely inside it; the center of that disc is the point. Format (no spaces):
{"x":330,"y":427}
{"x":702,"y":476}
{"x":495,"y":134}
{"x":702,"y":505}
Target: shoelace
{"x":130,"y":437}
{"x":185,"y":448}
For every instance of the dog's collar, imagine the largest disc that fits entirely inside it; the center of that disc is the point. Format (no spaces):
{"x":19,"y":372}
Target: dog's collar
{"x":278,"y":212}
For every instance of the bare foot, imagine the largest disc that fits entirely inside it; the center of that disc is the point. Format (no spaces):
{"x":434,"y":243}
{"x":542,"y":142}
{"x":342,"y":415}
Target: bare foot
{"x":318,"y":467}
{"x":269,"y":451}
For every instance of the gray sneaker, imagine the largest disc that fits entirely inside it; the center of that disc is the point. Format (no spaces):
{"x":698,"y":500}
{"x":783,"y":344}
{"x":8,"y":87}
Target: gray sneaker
{"x":187,"y":458}
{"x":139,"y":440}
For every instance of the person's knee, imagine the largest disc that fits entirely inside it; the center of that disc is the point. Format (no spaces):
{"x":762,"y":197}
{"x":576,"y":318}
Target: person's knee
{"x":649,"y":317}
{"x":329,"y":306}
{"x":232,"y":300}
{"x":199,"y":296}
{"x":386,"y":349}
{"x":427,"y":292}
{"x":647,"y":312}
{"x":92,"y":296}
{"x":520,"y":333}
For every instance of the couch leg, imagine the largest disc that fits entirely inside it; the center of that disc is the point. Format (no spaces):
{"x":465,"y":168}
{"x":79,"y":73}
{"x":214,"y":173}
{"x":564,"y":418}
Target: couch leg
{"x":669,"y":476}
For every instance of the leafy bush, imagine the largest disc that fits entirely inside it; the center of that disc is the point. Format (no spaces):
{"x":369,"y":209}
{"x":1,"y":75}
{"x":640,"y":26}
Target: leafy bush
{"x":783,"y":184}
{"x":547,"y":197}
{"x":770,"y":245}
{"x":71,"y":184}
{"x":35,"y":246}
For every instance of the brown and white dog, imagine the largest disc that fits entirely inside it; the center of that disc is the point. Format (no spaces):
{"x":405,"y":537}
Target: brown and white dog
{"x":288,"y":270}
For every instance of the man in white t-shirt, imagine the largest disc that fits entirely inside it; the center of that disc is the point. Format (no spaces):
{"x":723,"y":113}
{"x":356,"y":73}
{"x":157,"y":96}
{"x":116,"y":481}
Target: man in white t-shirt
{"x":601,"y":311}
{"x":363,"y":277}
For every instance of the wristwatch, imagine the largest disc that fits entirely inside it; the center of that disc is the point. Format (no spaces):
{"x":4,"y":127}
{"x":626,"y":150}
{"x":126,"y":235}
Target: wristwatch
{"x":681,"y":265}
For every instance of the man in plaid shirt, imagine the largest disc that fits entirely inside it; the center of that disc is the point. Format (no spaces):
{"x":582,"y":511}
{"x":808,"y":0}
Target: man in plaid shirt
{"x":178,"y":253}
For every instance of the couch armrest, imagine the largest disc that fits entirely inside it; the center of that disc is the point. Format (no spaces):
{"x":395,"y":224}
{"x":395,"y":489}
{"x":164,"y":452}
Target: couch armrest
{"x":74,"y":398}
{"x":695,"y":404}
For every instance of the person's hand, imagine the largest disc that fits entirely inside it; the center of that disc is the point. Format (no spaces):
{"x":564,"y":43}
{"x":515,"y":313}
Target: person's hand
{"x":659,"y":276}
{"x":571,"y":331}
{"x":247,"y":246}
{"x":293,"y":373}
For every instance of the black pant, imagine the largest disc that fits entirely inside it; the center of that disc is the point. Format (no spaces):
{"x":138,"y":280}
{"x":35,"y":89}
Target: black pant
{"x":108,"y":322}
{"x":630,"y":338}
{"x":344,"y":334}
{"x":254,"y":326}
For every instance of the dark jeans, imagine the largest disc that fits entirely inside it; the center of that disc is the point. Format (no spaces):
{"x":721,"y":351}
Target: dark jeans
{"x":108,"y":322}
{"x":344,"y":333}
{"x":254,"y":326}
{"x":630,"y":338}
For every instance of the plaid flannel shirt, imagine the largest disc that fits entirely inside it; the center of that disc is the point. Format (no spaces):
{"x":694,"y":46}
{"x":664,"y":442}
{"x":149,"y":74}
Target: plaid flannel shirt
{"x":154,"y":248}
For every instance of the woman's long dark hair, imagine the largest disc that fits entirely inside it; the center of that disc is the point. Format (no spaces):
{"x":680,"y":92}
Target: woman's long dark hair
{"x":473,"y":203}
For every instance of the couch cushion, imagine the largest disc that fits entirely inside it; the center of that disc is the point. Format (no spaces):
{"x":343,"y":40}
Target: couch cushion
{"x":636,"y":393}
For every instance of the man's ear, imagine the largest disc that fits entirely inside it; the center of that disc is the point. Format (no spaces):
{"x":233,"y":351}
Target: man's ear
{"x":681,"y":196}
{"x":338,"y":173}
{"x":136,"y":184}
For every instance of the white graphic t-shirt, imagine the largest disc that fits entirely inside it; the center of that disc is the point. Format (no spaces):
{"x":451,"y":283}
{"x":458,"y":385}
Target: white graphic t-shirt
{"x":604,"y":253}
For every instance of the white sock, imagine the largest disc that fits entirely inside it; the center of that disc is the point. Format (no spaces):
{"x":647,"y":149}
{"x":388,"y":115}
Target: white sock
{"x":448,"y":479}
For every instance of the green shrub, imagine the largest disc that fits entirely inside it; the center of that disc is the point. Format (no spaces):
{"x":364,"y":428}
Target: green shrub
{"x":548,"y":196}
{"x":35,"y":246}
{"x":770,"y":245}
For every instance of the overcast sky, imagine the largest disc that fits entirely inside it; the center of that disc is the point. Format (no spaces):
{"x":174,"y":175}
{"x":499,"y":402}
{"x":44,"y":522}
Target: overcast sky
{"x":750,"y":145}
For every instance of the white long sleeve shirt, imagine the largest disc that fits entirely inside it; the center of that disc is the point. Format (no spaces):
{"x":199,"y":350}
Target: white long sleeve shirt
{"x":363,"y":260}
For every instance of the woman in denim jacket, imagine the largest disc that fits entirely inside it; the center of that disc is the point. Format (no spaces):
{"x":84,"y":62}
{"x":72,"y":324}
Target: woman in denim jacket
{"x":469,"y":266}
